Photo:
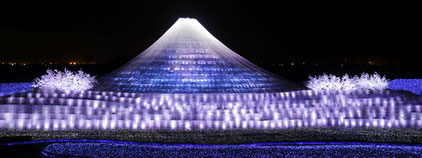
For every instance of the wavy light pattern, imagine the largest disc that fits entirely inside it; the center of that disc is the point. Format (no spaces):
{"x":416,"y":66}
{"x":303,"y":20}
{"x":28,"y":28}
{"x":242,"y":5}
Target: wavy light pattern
{"x":117,"y":110}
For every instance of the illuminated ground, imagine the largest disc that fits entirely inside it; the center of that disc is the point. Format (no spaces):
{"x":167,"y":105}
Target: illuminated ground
{"x":155,"y":111}
{"x":232,"y":118}
{"x":41,"y":114}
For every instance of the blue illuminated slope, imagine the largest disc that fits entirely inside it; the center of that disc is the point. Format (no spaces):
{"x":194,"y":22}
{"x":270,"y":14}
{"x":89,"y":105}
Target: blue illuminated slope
{"x":188,"y":59}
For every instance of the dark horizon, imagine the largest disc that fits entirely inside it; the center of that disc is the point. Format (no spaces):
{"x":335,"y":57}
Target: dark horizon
{"x":104,"y":32}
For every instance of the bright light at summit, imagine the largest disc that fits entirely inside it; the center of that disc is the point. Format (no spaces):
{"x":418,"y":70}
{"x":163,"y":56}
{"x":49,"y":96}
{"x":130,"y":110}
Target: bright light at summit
{"x":188,"y":59}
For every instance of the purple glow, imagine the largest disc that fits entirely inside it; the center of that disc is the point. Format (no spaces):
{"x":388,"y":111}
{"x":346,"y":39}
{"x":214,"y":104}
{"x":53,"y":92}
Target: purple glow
{"x":299,"y":109}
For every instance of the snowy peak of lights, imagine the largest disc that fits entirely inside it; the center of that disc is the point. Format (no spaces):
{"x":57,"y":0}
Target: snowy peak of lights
{"x":188,"y":59}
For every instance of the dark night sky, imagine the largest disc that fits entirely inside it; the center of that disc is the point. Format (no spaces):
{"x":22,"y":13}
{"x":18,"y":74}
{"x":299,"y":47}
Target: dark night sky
{"x":260,"y":31}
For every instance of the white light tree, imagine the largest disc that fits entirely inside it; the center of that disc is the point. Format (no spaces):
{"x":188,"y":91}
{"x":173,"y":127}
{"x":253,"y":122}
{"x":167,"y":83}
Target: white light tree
{"x":66,"y":81}
{"x":334,"y":83}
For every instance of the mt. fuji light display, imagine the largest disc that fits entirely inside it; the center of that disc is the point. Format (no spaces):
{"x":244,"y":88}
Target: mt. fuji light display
{"x":188,"y":59}
{"x":190,"y":81}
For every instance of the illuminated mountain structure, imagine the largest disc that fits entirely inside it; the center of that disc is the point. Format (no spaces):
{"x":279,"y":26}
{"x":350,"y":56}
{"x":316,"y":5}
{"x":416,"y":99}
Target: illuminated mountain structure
{"x":188,"y":59}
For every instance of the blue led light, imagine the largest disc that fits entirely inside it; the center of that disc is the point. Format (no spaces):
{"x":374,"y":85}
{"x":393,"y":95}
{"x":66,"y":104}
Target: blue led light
{"x":10,"y":88}
{"x":305,"y":149}
{"x":412,"y":85}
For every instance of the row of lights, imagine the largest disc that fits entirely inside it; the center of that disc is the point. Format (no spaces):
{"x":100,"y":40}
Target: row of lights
{"x":223,"y":111}
{"x":76,"y":63}
{"x":13,"y":63}
{"x":24,"y":64}
{"x":304,"y":63}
